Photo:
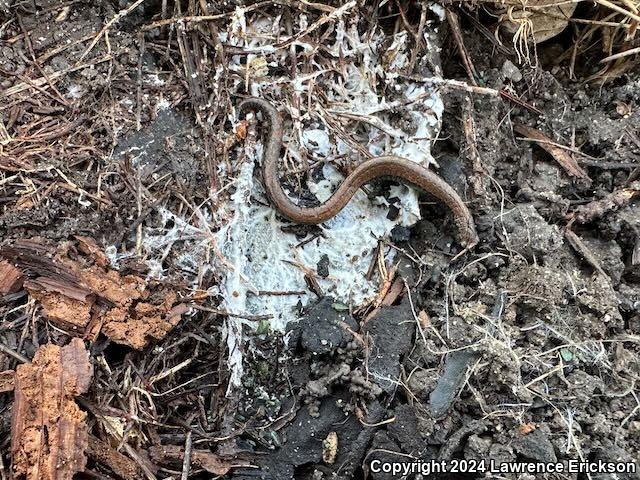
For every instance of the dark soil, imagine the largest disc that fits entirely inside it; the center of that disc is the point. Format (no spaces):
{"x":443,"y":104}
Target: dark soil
{"x":525,"y":349}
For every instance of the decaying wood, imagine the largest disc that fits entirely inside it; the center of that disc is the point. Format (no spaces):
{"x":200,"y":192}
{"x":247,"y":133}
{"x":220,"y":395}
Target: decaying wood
{"x":209,"y":461}
{"x":7,"y":380}
{"x":85,"y":297}
{"x":120,"y":464}
{"x":89,"y":246}
{"x":10,"y":278}
{"x":597,"y":208}
{"x":48,"y":431}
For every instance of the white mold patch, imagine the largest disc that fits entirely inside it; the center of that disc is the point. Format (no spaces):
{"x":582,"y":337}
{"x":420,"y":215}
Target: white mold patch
{"x":357,"y":95}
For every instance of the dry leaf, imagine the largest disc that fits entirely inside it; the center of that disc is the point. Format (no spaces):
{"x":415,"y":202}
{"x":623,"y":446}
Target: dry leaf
{"x":562,"y":156}
{"x":543,"y":22}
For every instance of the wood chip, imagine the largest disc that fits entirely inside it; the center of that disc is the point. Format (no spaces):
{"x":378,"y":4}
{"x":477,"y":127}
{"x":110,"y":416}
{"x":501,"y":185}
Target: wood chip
{"x":65,"y":311}
{"x":10,"y":278}
{"x":527,"y":428}
{"x":7,"y":380}
{"x":48,"y":431}
{"x":561,"y":155}
{"x":209,"y":461}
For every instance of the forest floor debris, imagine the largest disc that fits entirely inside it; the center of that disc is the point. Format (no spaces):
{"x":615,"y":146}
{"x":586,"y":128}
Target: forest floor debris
{"x":49,"y":433}
{"x":122,"y":158}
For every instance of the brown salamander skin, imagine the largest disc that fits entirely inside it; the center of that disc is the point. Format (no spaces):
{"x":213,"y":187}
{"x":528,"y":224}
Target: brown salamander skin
{"x":387,"y":166}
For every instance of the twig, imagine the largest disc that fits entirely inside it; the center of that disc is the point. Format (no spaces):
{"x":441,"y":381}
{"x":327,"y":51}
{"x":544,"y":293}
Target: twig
{"x":371,"y":120}
{"x":231,"y":314}
{"x":281,"y":293}
{"x":139,"y":83}
{"x":452,"y":19}
{"x":616,"y":56}
{"x":457,"y":84}
{"x":407,"y":24}
{"x":186,"y":462}
{"x":202,"y":18}
{"x":512,"y":98}
{"x":39,"y":82}
{"x":337,"y":13}
{"x":618,"y":9}
{"x":377,"y":424}
{"x":72,"y":187}
{"x":419,"y":36}
{"x":27,"y":40}
{"x":583,"y":250}
{"x":142,"y":464}
{"x":597,"y":208}
{"x":14,"y":354}
{"x":488,"y":34}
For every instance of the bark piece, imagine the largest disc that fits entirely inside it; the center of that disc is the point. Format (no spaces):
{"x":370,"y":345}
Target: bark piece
{"x":7,"y":380}
{"x":10,"y":278}
{"x":48,"y":430}
{"x":120,"y":464}
{"x":209,"y":461}
{"x":81,"y":294}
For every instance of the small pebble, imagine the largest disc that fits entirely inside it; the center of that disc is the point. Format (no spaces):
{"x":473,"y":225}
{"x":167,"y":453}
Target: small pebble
{"x":511,"y":72}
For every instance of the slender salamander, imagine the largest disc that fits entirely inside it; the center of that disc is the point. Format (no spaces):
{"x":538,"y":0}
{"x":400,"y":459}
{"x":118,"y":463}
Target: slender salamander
{"x":387,"y":166}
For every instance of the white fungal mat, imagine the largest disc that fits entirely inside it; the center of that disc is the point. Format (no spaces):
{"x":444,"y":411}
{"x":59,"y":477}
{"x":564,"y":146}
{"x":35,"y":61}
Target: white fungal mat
{"x":372,"y":102}
{"x":353,"y":93}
